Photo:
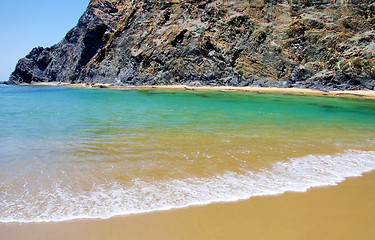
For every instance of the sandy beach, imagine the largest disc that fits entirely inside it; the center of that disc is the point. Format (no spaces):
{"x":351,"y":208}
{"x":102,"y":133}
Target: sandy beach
{"x":346,"y":211}
{"x":300,"y":91}
{"x":188,"y":120}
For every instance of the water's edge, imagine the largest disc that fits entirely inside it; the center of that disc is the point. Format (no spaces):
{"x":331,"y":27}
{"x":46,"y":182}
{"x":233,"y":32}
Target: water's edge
{"x":297,"y":175}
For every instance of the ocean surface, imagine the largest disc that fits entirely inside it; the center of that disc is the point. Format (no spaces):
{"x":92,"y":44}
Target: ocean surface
{"x":74,"y":153}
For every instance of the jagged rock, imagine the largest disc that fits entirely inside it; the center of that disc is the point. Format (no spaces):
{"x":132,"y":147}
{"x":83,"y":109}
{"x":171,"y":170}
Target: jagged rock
{"x":321,"y":44}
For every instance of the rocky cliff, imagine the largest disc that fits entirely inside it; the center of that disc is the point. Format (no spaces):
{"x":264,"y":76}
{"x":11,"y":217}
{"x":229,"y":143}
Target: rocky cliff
{"x":320,"y":44}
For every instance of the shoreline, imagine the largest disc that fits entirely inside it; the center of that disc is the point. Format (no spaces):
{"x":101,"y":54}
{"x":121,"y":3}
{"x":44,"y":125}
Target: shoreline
{"x":296,"y":91}
{"x":344,"y":211}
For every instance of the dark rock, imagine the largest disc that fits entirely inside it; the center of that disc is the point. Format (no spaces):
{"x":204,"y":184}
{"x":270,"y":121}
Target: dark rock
{"x":323,"y":44}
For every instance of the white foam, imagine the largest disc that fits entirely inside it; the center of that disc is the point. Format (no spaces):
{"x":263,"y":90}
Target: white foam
{"x":113,"y":199}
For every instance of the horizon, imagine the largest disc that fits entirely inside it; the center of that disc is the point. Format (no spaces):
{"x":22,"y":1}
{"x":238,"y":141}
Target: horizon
{"x":29,"y":24}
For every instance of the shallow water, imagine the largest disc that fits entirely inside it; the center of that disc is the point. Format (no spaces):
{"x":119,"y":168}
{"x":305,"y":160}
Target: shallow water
{"x":71,"y":153}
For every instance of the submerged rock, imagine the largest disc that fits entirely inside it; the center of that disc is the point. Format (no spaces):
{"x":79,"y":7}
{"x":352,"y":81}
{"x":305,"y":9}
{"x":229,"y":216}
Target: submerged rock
{"x":320,"y":44}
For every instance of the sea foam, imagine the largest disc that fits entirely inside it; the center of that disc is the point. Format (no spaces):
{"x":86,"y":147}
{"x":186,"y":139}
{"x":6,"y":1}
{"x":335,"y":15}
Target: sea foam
{"x":114,"y":199}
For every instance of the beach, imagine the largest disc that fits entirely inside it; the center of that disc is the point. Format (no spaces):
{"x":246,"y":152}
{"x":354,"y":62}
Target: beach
{"x":346,"y":211}
{"x":300,"y":91}
{"x":180,"y":163}
{"x":193,"y":120}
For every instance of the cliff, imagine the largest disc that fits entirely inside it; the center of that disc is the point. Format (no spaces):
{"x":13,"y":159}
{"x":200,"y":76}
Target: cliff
{"x":318,"y":44}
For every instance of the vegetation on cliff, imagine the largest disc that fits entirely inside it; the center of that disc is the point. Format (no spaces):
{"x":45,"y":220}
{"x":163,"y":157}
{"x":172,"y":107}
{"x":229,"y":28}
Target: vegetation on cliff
{"x":320,"y":44}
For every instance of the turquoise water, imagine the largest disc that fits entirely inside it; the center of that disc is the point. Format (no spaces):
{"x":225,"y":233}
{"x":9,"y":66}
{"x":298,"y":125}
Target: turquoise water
{"x":70,"y":153}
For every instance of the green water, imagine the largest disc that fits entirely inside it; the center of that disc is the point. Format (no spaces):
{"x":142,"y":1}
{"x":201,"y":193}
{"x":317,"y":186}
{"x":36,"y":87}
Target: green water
{"x":143,"y":150}
{"x":47,"y":112}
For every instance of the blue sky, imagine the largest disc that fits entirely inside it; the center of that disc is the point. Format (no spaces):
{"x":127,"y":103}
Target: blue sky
{"x":26,"y":24}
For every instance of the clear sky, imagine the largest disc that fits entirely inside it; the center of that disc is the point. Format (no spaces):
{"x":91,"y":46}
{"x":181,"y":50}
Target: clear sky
{"x":25,"y":24}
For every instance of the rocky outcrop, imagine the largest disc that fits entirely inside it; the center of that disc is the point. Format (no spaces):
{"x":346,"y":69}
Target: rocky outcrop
{"x":319,"y":44}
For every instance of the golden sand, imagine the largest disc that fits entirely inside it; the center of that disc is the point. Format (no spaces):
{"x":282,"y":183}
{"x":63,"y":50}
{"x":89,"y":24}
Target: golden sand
{"x":346,"y":93}
{"x":346,"y":211}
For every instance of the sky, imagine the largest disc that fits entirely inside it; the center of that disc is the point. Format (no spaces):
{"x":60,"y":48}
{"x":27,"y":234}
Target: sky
{"x":25,"y":24}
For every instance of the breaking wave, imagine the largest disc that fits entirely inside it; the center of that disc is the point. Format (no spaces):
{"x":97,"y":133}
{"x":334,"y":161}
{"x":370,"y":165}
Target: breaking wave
{"x":62,"y":203}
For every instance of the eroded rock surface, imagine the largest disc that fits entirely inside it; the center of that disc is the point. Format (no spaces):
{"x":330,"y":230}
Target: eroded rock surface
{"x":319,"y":44}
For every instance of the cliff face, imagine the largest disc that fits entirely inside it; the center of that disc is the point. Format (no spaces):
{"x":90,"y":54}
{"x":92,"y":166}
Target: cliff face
{"x":323,"y":44}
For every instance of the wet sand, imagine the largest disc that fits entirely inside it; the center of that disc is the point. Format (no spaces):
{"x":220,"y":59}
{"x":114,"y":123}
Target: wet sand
{"x":347,"y":93}
{"x":346,"y":211}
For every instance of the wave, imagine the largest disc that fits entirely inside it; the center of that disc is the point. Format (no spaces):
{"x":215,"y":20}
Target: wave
{"x":114,"y":199}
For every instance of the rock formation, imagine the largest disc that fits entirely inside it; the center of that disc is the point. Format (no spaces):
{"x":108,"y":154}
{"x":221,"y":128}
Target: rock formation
{"x":319,"y":44}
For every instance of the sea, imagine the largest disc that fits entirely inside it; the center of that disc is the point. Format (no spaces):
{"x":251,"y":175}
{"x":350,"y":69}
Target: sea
{"x":78,"y":153}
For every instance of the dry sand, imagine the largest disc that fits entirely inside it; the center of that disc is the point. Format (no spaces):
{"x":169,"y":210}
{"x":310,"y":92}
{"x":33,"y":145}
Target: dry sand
{"x":346,"y":211}
{"x":348,"y":93}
